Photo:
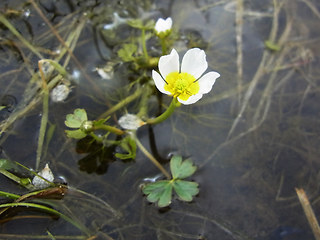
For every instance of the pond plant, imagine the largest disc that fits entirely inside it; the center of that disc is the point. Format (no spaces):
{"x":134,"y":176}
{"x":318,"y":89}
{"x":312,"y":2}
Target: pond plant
{"x":103,"y":104}
{"x":184,"y":84}
{"x":156,"y":71}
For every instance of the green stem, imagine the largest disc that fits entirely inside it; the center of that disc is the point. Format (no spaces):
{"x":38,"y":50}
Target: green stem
{"x":95,"y":137}
{"x":123,"y":102}
{"x":174,"y":103}
{"x":109,"y":129}
{"x":5,"y":22}
{"x":143,"y":107}
{"x":56,"y":65}
{"x":144,"y":47}
{"x":163,"y":46}
{"x":49,"y":210}
{"x":9,"y":195}
{"x":152,"y":158}
{"x":45,"y":114}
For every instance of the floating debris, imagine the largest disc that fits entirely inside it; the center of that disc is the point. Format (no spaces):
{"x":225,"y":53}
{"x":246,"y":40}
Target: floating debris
{"x":46,"y":173}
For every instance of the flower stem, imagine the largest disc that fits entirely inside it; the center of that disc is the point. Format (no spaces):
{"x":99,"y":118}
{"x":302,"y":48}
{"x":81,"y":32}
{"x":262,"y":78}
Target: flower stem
{"x":144,"y":47}
{"x":123,"y":102}
{"x":152,"y":158}
{"x":174,"y":103}
{"x":109,"y":129}
{"x":163,"y":45}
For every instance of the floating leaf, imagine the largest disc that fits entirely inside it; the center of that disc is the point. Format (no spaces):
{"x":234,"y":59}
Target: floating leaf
{"x":76,"y":119}
{"x":160,"y":192}
{"x":127,"y":51}
{"x":185,"y":189}
{"x":77,"y":134}
{"x":181,"y":169}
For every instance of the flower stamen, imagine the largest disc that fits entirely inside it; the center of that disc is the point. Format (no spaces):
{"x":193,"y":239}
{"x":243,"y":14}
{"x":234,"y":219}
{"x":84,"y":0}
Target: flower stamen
{"x":182,"y":85}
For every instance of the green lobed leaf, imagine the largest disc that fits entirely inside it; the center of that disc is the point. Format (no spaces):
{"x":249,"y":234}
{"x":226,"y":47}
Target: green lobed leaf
{"x":181,"y":169}
{"x":136,"y":23}
{"x":127,"y":51}
{"x":77,"y":134}
{"x":160,"y":191}
{"x":76,"y":119}
{"x":185,"y":189}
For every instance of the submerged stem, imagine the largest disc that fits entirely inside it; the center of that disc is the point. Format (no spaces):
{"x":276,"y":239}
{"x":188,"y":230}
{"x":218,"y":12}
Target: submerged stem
{"x":174,"y":103}
{"x":123,"y":102}
{"x":152,"y":158}
{"x":45,"y":115}
{"x":144,"y":47}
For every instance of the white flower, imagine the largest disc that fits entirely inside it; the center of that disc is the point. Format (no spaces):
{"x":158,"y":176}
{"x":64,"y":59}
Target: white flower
{"x":60,"y":93}
{"x":187,"y":85}
{"x":130,"y":122}
{"x":163,"y":26}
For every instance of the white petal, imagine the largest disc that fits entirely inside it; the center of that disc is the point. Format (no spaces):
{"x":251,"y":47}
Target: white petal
{"x":192,"y":99}
{"x":206,"y":82}
{"x":160,"y":83}
{"x":194,"y":62}
{"x":163,"y":25}
{"x":130,"y":122}
{"x":169,"y":63}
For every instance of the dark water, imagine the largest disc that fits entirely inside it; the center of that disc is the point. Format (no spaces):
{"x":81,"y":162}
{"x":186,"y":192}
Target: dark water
{"x":254,"y":137}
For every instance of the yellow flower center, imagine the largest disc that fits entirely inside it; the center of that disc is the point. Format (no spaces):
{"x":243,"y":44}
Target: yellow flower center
{"x":182,"y":85}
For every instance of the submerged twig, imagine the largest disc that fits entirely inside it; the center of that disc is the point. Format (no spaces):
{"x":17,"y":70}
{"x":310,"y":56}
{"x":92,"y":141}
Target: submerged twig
{"x":259,"y":73}
{"x":151,"y":158}
{"x":239,"y":27}
{"x":313,"y":222}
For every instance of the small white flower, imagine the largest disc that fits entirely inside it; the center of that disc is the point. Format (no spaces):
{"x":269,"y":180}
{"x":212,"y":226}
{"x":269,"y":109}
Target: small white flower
{"x":163,"y":26}
{"x":46,"y":173}
{"x":130,"y":122}
{"x":60,"y":93}
{"x":186,"y":84}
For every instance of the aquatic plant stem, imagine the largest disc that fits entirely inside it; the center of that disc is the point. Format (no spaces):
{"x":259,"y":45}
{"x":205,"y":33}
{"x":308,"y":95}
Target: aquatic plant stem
{"x":45,"y":114}
{"x":5,"y":22}
{"x":174,"y":103}
{"x":49,"y":210}
{"x":151,"y":158}
{"x":163,"y":46}
{"x":122,"y":103}
{"x":144,"y":47}
{"x":109,"y":129}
